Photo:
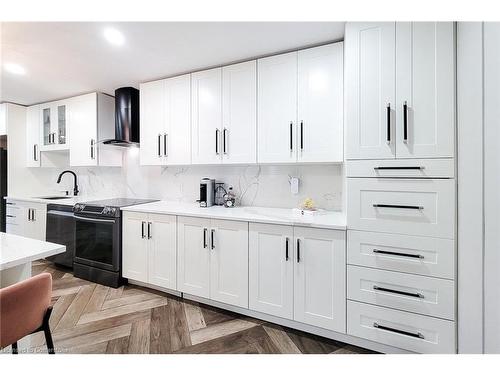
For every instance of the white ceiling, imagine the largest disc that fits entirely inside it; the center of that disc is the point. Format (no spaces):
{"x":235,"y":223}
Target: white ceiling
{"x":65,"y":59}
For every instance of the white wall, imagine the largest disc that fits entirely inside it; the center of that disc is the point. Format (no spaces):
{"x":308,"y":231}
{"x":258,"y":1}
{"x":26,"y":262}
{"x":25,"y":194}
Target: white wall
{"x":478,"y":56}
{"x":254,"y":185}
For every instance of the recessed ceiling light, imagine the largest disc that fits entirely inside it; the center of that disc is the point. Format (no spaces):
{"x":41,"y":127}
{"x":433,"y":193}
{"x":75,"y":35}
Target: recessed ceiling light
{"x":114,"y":36}
{"x":14,"y":68}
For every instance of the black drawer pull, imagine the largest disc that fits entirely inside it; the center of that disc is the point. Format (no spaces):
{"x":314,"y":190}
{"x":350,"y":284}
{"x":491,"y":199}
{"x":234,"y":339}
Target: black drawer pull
{"x":398,"y":206}
{"x":417,"y":335}
{"x":416,"y":295}
{"x":397,"y":168}
{"x":398,"y":254}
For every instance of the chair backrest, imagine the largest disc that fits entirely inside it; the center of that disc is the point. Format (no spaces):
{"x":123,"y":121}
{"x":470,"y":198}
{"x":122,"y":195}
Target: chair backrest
{"x":23,"y":306}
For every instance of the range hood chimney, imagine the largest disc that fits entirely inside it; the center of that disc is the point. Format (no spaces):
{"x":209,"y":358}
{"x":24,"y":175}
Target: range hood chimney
{"x":126,"y":118}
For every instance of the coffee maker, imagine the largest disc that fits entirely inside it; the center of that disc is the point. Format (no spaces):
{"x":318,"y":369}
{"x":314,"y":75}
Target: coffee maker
{"x":207,"y":192}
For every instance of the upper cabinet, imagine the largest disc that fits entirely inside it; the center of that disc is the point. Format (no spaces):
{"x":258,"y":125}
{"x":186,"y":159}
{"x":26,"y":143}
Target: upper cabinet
{"x":3,"y":119}
{"x":166,"y":121}
{"x":300,"y":106}
{"x":33,"y":136}
{"x":400,"y":90}
{"x":91,"y":118}
{"x":53,"y":124}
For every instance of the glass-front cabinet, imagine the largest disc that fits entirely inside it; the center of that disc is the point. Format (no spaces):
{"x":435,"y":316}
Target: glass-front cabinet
{"x":53,"y":123}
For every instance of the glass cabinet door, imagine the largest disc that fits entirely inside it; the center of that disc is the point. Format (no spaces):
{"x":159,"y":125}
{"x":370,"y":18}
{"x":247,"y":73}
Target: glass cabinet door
{"x":46,"y":126}
{"x":61,"y":124}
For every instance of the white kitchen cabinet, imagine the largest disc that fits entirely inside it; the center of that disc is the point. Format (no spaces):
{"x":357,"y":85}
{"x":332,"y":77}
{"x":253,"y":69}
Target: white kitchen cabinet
{"x":400,"y":90}
{"x":320,"y":278}
{"x":320,"y":104}
{"x":135,"y":246}
{"x":53,"y":125}
{"x":206,"y":116}
{"x":229,"y":262}
{"x":149,"y":249}
{"x":165,"y":134}
{"x":270,"y":269}
{"x":3,"y":119}
{"x":239,"y":113}
{"x":213,"y":259}
{"x":193,"y":268}
{"x":162,"y":233}
{"x":370,"y":90}
{"x":425,"y":89}
{"x":91,"y":120}
{"x":27,"y":219}
{"x":33,"y":136}
{"x":277,"y":109}
{"x":152,"y":112}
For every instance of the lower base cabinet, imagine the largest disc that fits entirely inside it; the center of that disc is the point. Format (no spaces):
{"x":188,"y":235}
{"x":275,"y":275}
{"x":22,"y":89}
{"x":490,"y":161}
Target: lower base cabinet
{"x":150,"y":248}
{"x":298,"y":273}
{"x":27,"y":219}
{"x":213,"y":259}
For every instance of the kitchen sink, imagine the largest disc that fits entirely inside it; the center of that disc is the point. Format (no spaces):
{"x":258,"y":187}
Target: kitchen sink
{"x":54,"y":197}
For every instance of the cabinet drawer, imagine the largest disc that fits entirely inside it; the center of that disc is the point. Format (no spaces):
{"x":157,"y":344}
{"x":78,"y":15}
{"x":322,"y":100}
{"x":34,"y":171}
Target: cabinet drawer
{"x":418,"y":294}
{"x":416,"y":168}
{"x":426,"y":256}
{"x":406,"y":206}
{"x":413,"y":332}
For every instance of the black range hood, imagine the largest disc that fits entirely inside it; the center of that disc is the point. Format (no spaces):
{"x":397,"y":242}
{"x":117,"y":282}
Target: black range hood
{"x":126,"y":118}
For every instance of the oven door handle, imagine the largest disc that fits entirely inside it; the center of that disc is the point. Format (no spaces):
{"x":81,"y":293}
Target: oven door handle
{"x":94,"y":220}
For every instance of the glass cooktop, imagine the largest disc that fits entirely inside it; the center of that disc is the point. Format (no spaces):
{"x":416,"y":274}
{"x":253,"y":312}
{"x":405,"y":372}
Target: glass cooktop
{"x":118,"y":202}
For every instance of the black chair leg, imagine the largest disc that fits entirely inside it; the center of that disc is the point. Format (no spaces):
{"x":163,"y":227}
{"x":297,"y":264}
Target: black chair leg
{"x":46,"y":331}
{"x":14,"y":348}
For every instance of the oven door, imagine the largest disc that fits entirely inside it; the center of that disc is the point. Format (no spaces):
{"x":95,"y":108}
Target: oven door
{"x":98,"y":242}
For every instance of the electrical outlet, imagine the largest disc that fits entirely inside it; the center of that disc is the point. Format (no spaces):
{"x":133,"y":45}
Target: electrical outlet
{"x":294,"y":185}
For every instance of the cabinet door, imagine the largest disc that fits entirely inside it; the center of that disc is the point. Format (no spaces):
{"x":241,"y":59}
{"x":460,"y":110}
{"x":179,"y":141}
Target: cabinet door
{"x":61,"y":123}
{"x":271,"y":269}
{"x":33,"y":136}
{"x":3,"y":119}
{"x":135,"y":246}
{"x":239,"y":113}
{"x":206,"y":116}
{"x":163,"y":251}
{"x":229,"y":262}
{"x":319,"y":278}
{"x":193,"y":254}
{"x":177,"y":136}
{"x":370,"y":90}
{"x":321,"y":104}
{"x":277,"y":109}
{"x":425,"y":71}
{"x":152,"y":124}
{"x":82,"y":116}
{"x":35,"y":227}
{"x":46,"y":125}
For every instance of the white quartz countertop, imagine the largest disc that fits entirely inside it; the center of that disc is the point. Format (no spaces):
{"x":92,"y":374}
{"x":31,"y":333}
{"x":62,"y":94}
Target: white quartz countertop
{"x":284,"y":216}
{"x":17,"y":250}
{"x":69,"y":201}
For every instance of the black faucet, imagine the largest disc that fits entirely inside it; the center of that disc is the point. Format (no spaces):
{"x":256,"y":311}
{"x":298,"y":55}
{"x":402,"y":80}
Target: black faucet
{"x":75,"y":188}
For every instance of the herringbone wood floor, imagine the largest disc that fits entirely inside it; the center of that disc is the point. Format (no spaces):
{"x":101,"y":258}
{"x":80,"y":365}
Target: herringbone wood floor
{"x":91,"y":318}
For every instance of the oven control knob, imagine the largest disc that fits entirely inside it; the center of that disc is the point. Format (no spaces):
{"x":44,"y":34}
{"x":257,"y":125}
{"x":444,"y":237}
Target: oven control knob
{"x":105,"y":211}
{"x":113,"y":210}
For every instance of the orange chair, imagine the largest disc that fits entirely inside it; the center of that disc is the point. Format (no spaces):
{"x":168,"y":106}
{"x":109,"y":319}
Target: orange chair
{"x":25,"y":309}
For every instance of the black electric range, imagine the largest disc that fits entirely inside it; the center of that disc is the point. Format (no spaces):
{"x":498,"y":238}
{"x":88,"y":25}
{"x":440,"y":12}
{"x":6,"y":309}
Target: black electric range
{"x":98,"y":239}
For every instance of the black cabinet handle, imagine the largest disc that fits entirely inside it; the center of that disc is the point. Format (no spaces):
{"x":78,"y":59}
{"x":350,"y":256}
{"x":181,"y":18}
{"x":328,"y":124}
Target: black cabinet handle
{"x":416,"y":295}
{"x":389,"y":123}
{"x":159,"y":145}
{"x":212,"y":239}
{"x":398,"y":206}
{"x":217,"y":141}
{"x":165,"y":150}
{"x":418,"y":335}
{"x":376,"y":251}
{"x":205,"y":238}
{"x":143,"y":235}
{"x":291,"y":136}
{"x":92,"y":156}
{"x":150,"y":231}
{"x":29,"y":214}
{"x":298,"y":250}
{"x":224,"y":141}
{"x":405,"y":122}
{"x":397,"y":168}
{"x":287,"y":240}
{"x":34,"y":153}
{"x":302,"y":135}
{"x":9,"y":216}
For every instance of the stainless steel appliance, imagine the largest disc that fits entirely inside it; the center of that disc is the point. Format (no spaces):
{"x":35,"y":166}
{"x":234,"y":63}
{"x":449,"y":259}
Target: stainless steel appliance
{"x":61,"y":230}
{"x":207,"y":192}
{"x":98,"y":240}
